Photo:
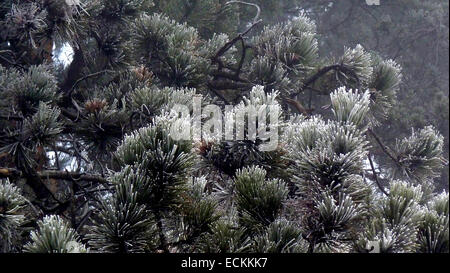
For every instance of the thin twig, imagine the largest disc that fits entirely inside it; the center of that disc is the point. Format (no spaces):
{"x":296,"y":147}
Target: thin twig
{"x":230,"y":43}
{"x":85,"y":78}
{"x":383,"y":147}
{"x":258,"y":9}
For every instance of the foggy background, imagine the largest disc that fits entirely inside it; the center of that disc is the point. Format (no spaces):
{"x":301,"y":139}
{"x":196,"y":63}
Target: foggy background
{"x":413,"y":33}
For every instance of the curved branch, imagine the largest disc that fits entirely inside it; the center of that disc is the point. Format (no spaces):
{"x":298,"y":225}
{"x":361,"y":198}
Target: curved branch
{"x":298,"y":106}
{"x":258,"y":9}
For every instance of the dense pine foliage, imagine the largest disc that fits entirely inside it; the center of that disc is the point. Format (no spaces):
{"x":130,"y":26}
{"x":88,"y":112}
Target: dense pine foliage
{"x":89,"y":163}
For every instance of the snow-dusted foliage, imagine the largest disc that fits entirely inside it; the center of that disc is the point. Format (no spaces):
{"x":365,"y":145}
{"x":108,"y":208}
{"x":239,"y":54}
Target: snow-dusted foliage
{"x":11,"y":201}
{"x":54,"y":236}
{"x":176,"y":130}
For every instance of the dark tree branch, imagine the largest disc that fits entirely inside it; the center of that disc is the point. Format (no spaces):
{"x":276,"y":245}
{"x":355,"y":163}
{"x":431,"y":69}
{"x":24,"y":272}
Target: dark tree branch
{"x":235,"y":81}
{"x":74,"y":71}
{"x":383,"y":147}
{"x":298,"y":106}
{"x":241,"y":62}
{"x":375,"y":176}
{"x":51,"y":174}
{"x":222,"y":74}
{"x":9,"y":61}
{"x":83,"y":220}
{"x":321,"y":73}
{"x":233,"y":41}
{"x":85,"y":78}
{"x":314,"y":78}
{"x":224,"y":85}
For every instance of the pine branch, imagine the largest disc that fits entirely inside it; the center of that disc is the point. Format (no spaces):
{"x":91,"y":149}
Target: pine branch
{"x":375,"y":175}
{"x":74,"y":70}
{"x":321,"y":73}
{"x":13,"y":63}
{"x":224,"y":85}
{"x":11,"y":117}
{"x":241,"y":61}
{"x":216,"y":59}
{"x":85,"y":78}
{"x":298,"y":106}
{"x":383,"y":147}
{"x":234,"y":77}
{"x":50,"y":174}
{"x":314,"y":78}
{"x":233,"y":41}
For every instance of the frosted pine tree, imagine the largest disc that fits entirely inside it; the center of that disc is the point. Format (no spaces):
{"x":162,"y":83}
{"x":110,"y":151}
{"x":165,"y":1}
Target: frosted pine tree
{"x":89,"y":161}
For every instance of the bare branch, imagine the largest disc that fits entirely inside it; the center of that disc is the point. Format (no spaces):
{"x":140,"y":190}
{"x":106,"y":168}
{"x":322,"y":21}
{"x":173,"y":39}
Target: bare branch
{"x":258,"y":9}
{"x":233,"y":41}
{"x":383,"y":147}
